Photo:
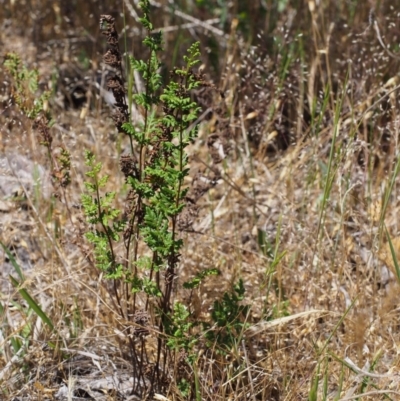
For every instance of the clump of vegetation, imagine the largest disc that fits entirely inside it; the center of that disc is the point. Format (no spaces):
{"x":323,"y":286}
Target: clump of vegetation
{"x":155,"y":170}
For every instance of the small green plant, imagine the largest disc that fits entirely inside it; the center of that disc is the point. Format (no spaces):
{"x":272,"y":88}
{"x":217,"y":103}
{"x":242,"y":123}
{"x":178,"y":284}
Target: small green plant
{"x":229,"y":315}
{"x":26,"y":86}
{"x":35,"y":106}
{"x":149,"y":226}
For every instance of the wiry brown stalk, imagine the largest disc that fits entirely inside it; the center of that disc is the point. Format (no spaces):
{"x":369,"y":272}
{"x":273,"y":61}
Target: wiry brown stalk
{"x":115,"y":84}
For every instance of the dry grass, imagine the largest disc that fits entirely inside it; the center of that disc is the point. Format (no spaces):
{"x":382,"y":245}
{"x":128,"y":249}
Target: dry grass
{"x":311,"y":128}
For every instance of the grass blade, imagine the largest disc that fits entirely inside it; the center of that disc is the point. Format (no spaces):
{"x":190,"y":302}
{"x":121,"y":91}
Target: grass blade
{"x":394,"y":257}
{"x":14,"y":262}
{"x":32,"y":303}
